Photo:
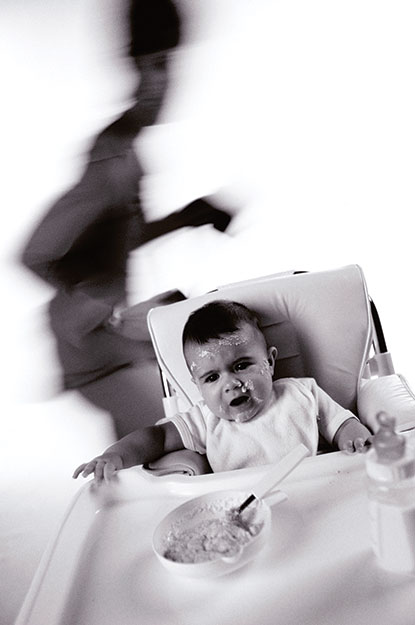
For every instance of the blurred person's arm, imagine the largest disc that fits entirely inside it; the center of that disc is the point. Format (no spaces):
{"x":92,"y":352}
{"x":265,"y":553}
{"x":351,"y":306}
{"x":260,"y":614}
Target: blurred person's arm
{"x":198,"y":213}
{"x":75,"y":315}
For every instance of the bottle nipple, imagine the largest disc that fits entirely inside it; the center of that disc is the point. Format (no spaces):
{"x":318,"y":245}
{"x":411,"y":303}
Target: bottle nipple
{"x":389,"y":445}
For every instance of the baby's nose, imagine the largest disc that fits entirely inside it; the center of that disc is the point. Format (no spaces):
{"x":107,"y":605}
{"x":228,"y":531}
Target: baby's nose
{"x":232,"y":383}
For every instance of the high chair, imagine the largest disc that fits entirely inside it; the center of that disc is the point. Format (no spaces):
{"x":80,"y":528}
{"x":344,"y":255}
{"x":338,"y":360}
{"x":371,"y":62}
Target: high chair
{"x":324,"y":325}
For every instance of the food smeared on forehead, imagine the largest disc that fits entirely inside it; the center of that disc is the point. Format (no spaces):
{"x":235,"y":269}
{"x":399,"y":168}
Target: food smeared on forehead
{"x":227,"y":350}
{"x":213,"y":347}
{"x":219,"y":319}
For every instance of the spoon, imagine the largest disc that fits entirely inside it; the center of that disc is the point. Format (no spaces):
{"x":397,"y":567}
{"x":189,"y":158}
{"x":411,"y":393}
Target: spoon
{"x":275,"y":476}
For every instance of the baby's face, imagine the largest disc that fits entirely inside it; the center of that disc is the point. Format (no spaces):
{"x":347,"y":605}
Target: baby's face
{"x":234,"y":373}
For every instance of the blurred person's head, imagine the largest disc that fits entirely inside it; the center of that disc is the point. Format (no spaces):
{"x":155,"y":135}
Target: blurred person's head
{"x":154,"y":26}
{"x":154,"y":32}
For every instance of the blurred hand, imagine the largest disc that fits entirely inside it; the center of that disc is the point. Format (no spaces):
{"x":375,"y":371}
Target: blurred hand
{"x":132,"y":322}
{"x":201,"y":212}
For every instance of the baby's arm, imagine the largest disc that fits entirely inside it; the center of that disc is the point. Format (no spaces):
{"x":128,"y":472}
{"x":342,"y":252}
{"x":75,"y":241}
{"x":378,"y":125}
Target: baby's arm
{"x":352,"y":435}
{"x":143,"y":445}
{"x":338,"y":425}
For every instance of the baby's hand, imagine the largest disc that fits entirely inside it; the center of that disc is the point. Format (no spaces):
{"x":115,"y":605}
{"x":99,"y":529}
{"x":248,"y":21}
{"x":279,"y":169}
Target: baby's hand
{"x":104,"y":467}
{"x":352,"y":436}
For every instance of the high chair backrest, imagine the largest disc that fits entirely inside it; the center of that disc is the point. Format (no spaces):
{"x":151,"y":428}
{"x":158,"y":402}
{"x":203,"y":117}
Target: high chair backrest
{"x":320,"y":323}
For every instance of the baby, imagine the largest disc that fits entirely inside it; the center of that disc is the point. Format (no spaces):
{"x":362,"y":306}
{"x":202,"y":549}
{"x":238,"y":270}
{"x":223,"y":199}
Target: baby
{"x":245,"y":419}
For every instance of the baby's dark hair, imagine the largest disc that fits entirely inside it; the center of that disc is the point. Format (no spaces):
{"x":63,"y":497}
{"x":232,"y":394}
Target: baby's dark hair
{"x":216,"y":318}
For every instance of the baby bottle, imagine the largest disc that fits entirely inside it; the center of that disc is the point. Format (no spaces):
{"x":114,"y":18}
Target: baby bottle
{"x":390,"y":466}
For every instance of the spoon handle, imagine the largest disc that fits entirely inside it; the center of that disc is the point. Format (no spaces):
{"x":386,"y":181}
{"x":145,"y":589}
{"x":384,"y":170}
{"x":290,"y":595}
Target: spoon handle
{"x":281,"y":470}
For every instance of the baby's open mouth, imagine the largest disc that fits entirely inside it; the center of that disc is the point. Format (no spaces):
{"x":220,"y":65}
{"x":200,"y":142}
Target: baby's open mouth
{"x":238,"y":401}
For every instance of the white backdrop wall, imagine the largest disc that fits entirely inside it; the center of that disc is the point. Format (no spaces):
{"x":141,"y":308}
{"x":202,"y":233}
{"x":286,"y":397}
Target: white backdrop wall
{"x":298,"y":115}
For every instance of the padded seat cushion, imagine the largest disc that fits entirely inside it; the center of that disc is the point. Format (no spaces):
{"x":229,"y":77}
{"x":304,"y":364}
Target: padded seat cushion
{"x":391,"y":394}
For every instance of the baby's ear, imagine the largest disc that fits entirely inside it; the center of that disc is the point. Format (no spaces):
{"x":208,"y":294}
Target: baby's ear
{"x":272,"y":357}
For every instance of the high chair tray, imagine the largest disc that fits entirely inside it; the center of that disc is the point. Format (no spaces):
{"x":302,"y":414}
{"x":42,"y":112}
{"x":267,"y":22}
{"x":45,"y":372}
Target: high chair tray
{"x":317,"y":568}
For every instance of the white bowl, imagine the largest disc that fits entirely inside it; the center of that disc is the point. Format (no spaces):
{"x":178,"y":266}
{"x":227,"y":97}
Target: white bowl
{"x":200,"y":510}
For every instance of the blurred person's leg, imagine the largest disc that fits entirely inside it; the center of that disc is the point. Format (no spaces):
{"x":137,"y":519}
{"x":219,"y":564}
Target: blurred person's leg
{"x":115,"y":368}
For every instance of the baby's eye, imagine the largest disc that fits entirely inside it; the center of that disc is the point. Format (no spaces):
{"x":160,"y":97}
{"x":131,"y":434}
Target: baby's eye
{"x":242,"y":365}
{"x":211,"y":378}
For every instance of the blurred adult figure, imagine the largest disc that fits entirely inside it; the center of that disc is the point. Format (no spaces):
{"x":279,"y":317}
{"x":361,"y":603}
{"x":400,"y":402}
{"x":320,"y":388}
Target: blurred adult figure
{"x":82,"y":244}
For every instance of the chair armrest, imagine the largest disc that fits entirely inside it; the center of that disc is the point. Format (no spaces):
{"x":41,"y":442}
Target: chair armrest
{"x":183,"y":462}
{"x":388,"y":393}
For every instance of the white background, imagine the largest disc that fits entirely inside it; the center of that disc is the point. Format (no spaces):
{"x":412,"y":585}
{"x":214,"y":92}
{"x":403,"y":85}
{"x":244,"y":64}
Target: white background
{"x":298,"y":115}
